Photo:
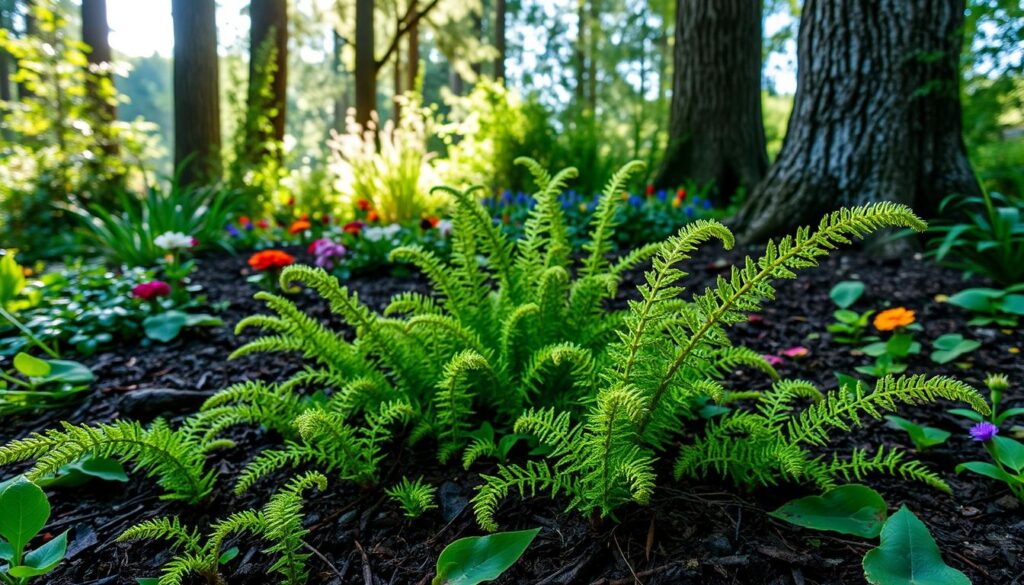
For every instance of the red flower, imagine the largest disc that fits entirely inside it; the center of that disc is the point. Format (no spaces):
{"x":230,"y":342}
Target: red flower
{"x":263,"y":224}
{"x":244,"y":220}
{"x":363,"y":205}
{"x":299,"y":226}
{"x":325,"y":219}
{"x":680,"y":194}
{"x":268,"y":259}
{"x":195,"y":241}
{"x":429,"y":222}
{"x":150,"y":290}
{"x":353,"y":227}
{"x":650,"y":190}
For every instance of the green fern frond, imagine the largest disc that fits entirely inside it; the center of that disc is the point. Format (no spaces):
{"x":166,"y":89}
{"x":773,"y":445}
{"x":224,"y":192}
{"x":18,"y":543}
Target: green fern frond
{"x":535,"y":477}
{"x":606,"y":219}
{"x":415,"y":497}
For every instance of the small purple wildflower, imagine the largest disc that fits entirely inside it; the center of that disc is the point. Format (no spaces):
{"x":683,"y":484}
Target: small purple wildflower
{"x":233,"y":231}
{"x":326,"y":252}
{"x":984,"y":431}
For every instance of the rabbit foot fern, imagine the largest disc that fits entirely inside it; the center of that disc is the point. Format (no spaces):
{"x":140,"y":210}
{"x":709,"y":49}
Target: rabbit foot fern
{"x":279,"y":523}
{"x":175,"y":458}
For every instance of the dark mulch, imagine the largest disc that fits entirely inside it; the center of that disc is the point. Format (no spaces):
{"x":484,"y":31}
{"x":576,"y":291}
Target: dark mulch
{"x":693,"y":532}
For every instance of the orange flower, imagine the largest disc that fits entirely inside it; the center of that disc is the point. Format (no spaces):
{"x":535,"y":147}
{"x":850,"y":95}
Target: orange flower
{"x":268,"y":259}
{"x":298,"y":226}
{"x":890,"y":319}
{"x":372,"y":216}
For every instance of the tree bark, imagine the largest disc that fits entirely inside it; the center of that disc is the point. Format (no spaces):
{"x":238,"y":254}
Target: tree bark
{"x":196,"y":92}
{"x":269,"y":25}
{"x":24,"y":93}
{"x":716,"y":133}
{"x":500,"y":10}
{"x":95,"y":34}
{"x":876,"y":114}
{"x":413,"y":67}
{"x":6,"y":60}
{"x":366,"y":63}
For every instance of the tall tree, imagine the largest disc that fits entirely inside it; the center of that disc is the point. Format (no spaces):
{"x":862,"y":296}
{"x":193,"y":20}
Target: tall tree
{"x":500,"y":11}
{"x":268,"y":37}
{"x":95,"y":34}
{"x":196,"y":91}
{"x":876,"y":114}
{"x":715,"y":129}
{"x":368,"y":65}
{"x":6,"y":60}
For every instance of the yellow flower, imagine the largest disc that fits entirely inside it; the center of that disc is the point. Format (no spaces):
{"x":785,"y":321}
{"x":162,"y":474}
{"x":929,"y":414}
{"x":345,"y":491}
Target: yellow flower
{"x":890,"y":319}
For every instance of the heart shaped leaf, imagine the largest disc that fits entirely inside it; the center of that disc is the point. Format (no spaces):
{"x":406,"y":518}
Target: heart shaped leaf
{"x":849,"y":509}
{"x":24,"y":511}
{"x":908,"y":555}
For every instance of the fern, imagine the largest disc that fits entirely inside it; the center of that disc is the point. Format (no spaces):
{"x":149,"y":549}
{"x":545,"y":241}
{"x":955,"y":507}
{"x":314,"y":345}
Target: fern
{"x":415,"y":497}
{"x":279,"y":523}
{"x":175,"y":458}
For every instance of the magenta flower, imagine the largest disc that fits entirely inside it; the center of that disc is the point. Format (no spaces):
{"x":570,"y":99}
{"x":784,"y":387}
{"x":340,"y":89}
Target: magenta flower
{"x":326,"y":253}
{"x":795,"y":352}
{"x":984,"y":431}
{"x":150,"y":290}
{"x":773,"y":360}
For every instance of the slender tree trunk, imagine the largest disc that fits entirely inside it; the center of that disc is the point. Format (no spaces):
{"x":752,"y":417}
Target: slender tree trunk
{"x":339,"y":100}
{"x":269,"y":26}
{"x":500,"y":9}
{"x":6,"y":60}
{"x":366,"y":64}
{"x":876,"y":114}
{"x":455,"y":82}
{"x":594,"y":35}
{"x":715,"y":129}
{"x":196,"y":91}
{"x":396,"y":103}
{"x":581,"y":53}
{"x":24,"y":93}
{"x":413,"y":67}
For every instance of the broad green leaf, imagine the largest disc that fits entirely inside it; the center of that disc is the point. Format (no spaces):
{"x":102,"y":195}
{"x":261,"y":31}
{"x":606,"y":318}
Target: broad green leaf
{"x":951,"y":346}
{"x":1009,"y":413}
{"x":202,"y":320}
{"x":1009,"y":452}
{"x":978,"y":300}
{"x":165,"y":326}
{"x":908,"y":555}
{"x":967,"y":413}
{"x":148,"y":581}
{"x":68,"y":372}
{"x":846,"y":316}
{"x":846,"y":293}
{"x":985,"y":468}
{"x":899,"y":345}
{"x":849,"y":509}
{"x":43,"y":559}
{"x":922,"y":436}
{"x":476,"y":559}
{"x":226,"y":556}
{"x":6,"y":551}
{"x":24,"y":511}
{"x":1013,"y":304}
{"x":31,"y":366}
{"x":79,"y":472}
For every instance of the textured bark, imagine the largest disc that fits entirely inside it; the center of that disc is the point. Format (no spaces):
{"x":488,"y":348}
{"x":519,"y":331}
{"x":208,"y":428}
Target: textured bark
{"x":413,"y":67}
{"x":876,"y":114}
{"x":95,"y":34}
{"x":269,"y":24}
{"x":500,"y":10}
{"x":716,"y":133}
{"x":196,"y":91}
{"x":366,"y":64}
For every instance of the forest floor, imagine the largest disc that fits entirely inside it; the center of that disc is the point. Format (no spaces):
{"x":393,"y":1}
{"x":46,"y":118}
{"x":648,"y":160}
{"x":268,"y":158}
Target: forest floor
{"x":693,"y":532}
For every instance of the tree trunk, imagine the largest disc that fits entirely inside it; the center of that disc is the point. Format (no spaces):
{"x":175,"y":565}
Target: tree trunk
{"x":876,"y":115}
{"x":24,"y":93}
{"x":6,"y":24}
{"x":196,"y":91}
{"x":95,"y":33}
{"x":715,"y":129}
{"x":339,"y":99}
{"x":396,"y":103}
{"x":413,"y":71}
{"x":269,"y":27}
{"x":366,"y":64}
{"x":500,"y":8}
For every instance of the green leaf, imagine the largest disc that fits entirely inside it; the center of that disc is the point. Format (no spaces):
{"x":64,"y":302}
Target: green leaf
{"x":908,"y":555}
{"x":978,"y":300}
{"x":165,"y":326}
{"x":43,"y":559}
{"x":24,"y":511}
{"x":899,"y":345}
{"x":476,"y":559}
{"x":79,"y":472}
{"x":848,"y":509}
{"x":31,"y":366}
{"x":226,"y":556}
{"x":1009,"y":452}
{"x":846,"y":293}
{"x":1013,"y":304}
{"x":202,"y":320}
{"x":846,"y":316}
{"x":148,"y":580}
{"x":967,"y":413}
{"x":68,"y":372}
{"x":6,"y":551}
{"x":951,"y":346}
{"x":1009,"y":413}
{"x":922,"y":436}
{"x":986,"y":469}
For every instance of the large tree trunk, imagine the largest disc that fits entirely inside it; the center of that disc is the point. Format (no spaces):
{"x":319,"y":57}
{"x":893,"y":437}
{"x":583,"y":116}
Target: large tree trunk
{"x":366,"y":63}
{"x":500,"y":9}
{"x":876,"y":115}
{"x":196,"y":91}
{"x":269,"y":27}
{"x":95,"y":34}
{"x":715,"y":129}
{"x":413,"y":67}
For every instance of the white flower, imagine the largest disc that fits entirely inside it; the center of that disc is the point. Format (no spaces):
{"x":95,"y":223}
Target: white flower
{"x":173,"y":241}
{"x":444,"y":227}
{"x":373,"y":233}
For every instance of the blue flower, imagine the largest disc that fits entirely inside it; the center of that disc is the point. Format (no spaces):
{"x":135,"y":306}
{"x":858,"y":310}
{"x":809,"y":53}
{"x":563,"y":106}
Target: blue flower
{"x":233,"y":230}
{"x":984,"y":431}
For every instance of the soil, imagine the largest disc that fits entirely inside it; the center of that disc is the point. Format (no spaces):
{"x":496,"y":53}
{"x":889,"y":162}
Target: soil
{"x":693,"y":531}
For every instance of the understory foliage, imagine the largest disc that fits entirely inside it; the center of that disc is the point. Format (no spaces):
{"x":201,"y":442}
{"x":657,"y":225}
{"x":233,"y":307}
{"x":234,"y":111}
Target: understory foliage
{"x":508,"y":327}
{"x":176,"y":459}
{"x":279,"y":523}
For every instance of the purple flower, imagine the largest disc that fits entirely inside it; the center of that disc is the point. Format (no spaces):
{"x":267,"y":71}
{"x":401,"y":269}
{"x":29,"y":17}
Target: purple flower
{"x":984,"y":431}
{"x":233,"y":231}
{"x":326,"y":252}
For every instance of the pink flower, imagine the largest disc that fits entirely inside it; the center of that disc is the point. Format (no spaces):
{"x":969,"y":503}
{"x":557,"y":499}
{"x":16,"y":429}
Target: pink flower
{"x":795,"y":352}
{"x":773,"y":360}
{"x":150,"y":290}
